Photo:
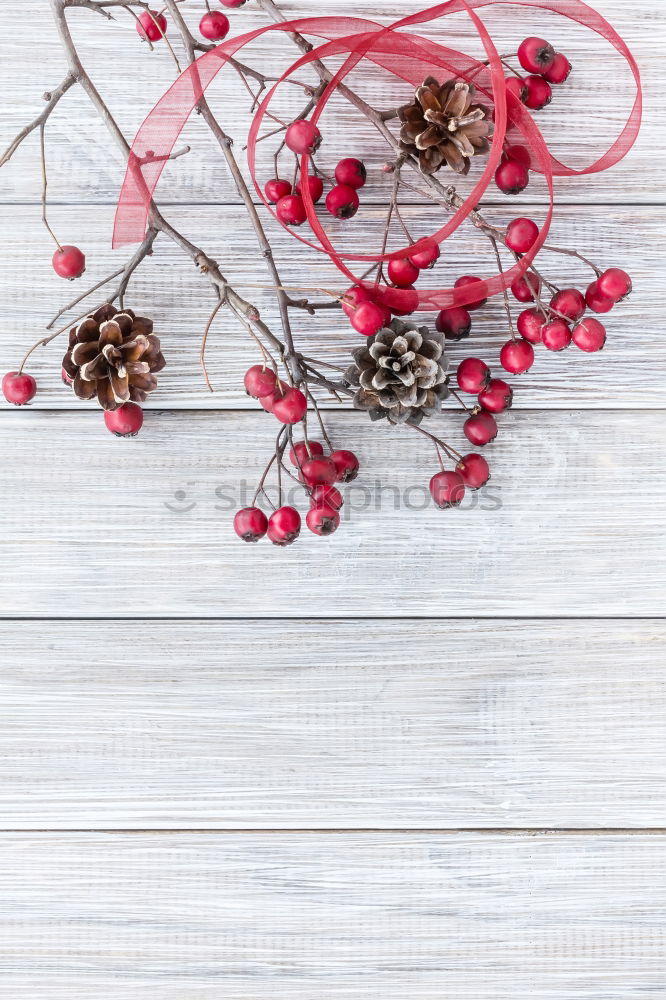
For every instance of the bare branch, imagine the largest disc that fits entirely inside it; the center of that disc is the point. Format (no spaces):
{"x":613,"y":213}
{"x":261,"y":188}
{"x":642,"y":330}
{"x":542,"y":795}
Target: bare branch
{"x":51,"y":98}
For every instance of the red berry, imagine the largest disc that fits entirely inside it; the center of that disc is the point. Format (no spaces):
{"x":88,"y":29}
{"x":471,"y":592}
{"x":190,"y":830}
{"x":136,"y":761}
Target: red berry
{"x":303,"y":137}
{"x":535,"y":54}
{"x":277,"y":188}
{"x":151,"y":25}
{"x":322,"y":520}
{"x":126,"y":421}
{"x":232,"y":3}
{"x":402,"y":272}
{"x":351,"y":172}
{"x":615,"y":284}
{"x":342,"y":201}
{"x":291,"y":407}
{"x":473,"y":375}
{"x":18,"y":389}
{"x":497,"y":396}
{"x":559,"y":69}
{"x":353,"y":298}
{"x":319,"y":470}
{"x":290,"y":210}
{"x":517,"y":356}
{"x":556,"y":335}
{"x":569,"y":302}
{"x":447,"y":489}
{"x":589,"y":335}
{"x":527,"y":288}
{"x":427,"y":258}
{"x":519,"y":153}
{"x":214,"y":25}
{"x":259,"y":381}
{"x":315,"y":186}
{"x":268,"y":401}
{"x":68,"y":262}
{"x":465,"y":282}
{"x":330,"y":496}
{"x":539,"y":93}
{"x":67,"y":379}
{"x":299,"y":453}
{"x":480,"y":429}
{"x":529,"y":325}
{"x":250,"y":524}
{"x":284,"y":526}
{"x":454,"y":323}
{"x":521,"y":235}
{"x":346,"y":465}
{"x":512,"y":177}
{"x":368,"y":318}
{"x":597,"y":302}
{"x":474,"y":470}
{"x":516,"y":86}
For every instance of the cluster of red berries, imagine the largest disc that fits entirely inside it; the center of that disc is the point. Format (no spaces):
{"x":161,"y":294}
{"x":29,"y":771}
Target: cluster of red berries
{"x":494,"y":395}
{"x":342,"y":200}
{"x":371,"y":308}
{"x":317,"y":471}
{"x":447,"y":488}
{"x":287,"y":403}
{"x":545,"y":67}
{"x":562,"y":322}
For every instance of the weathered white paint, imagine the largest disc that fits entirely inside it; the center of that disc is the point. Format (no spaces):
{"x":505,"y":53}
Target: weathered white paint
{"x":328,"y":724}
{"x":572,"y":522}
{"x":168,"y":288}
{"x":332,"y":723}
{"x":378,"y":917}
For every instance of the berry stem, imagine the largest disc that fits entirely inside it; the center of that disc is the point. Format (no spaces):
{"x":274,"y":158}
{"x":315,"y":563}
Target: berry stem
{"x":204,"y":339}
{"x":574,"y":253}
{"x":507,"y":306}
{"x":460,"y":400}
{"x":42,"y":150}
{"x":451,"y":452}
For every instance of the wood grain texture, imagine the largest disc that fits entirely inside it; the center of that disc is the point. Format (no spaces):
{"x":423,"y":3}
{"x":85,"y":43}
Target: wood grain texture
{"x":572,"y":522}
{"x":168,"y":288}
{"x":252,"y":917}
{"x":586,"y":115}
{"x":333,"y":724}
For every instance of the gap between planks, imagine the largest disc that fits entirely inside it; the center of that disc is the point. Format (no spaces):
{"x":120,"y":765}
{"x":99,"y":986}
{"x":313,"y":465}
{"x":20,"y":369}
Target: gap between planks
{"x":499,"y":831}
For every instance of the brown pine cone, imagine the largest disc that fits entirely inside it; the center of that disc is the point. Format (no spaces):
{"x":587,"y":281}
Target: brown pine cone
{"x":113,"y":354}
{"x":442,"y":126}
{"x":400,"y":373}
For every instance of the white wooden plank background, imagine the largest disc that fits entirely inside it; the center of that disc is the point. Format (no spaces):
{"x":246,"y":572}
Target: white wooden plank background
{"x":152,"y":696}
{"x":459,"y":724}
{"x":572,"y":522}
{"x":253,"y":917}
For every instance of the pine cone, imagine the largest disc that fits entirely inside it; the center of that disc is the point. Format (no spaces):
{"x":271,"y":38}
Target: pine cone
{"x":400,"y":373}
{"x":443,"y":127}
{"x":113,"y":355}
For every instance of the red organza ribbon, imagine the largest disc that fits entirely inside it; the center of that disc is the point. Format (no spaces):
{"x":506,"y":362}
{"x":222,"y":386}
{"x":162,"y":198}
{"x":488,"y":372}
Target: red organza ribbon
{"x":411,"y":58}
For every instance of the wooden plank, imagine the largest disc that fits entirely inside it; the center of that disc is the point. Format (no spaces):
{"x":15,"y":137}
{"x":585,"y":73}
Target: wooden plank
{"x":254,"y":917}
{"x":571,"y":524}
{"x":332,"y":724}
{"x":584,"y":118}
{"x":631,"y":367}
